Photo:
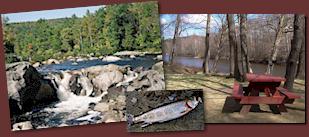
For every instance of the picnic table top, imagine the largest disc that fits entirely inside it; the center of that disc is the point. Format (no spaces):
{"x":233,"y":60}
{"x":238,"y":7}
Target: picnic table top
{"x":263,"y":78}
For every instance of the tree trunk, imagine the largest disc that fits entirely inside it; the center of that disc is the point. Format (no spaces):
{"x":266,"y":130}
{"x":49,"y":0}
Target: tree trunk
{"x":176,"y":35}
{"x":231,"y":43}
{"x":206,"y":56}
{"x":274,"y":52}
{"x":296,"y":44}
{"x":237,"y":50}
{"x":302,"y":59}
{"x":220,"y":47}
{"x":244,"y":43}
{"x":81,"y":40}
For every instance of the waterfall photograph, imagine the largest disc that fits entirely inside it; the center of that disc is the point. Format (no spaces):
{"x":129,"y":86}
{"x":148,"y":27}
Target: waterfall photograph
{"x":68,"y":67}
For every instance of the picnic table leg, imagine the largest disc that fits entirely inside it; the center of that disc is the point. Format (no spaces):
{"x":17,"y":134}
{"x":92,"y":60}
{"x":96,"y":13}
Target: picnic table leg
{"x":274,"y":108}
{"x":245,"y":109}
{"x":255,"y":107}
{"x":282,"y":108}
{"x":277,"y":109}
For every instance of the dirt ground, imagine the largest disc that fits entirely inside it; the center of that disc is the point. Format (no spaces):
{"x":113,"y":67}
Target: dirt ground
{"x":218,"y":88}
{"x":140,"y":102}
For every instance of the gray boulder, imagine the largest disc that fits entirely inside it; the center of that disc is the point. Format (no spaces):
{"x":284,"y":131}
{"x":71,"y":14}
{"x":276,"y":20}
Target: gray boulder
{"x":148,"y":80}
{"x":27,"y":88}
{"x":22,"y":126}
{"x":105,"y":79}
{"x":158,"y":67}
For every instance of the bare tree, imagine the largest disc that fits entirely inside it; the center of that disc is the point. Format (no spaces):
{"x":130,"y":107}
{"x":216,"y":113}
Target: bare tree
{"x":278,"y":38}
{"x":207,"y":51}
{"x":238,"y":74}
{"x":232,"y":41}
{"x":296,"y":44}
{"x":222,"y":31}
{"x":176,"y":36}
{"x":244,"y":44}
{"x":302,"y":59}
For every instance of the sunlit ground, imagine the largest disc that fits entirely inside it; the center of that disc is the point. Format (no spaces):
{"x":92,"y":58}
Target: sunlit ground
{"x":217,"y":88}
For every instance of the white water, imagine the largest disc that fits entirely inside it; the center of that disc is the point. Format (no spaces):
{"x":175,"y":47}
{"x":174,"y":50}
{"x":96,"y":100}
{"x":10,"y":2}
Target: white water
{"x":75,"y":106}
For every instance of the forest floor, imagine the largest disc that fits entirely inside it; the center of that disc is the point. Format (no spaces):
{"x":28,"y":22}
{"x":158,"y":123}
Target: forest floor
{"x":218,"y":88}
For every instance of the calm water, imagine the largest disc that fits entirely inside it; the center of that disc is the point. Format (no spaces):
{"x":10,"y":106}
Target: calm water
{"x":146,"y":61}
{"x":223,"y":65}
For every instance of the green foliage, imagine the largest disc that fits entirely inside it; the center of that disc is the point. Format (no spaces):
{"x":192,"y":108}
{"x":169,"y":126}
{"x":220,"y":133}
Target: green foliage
{"x":110,"y":29}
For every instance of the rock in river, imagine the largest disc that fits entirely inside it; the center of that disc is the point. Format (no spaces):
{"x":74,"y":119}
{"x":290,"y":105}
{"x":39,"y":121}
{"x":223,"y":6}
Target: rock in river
{"x":27,"y":88}
{"x":37,"y":64}
{"x":111,"y":58}
{"x":22,"y":126}
{"x":52,"y":61}
{"x":158,"y":67}
{"x":104,"y":80}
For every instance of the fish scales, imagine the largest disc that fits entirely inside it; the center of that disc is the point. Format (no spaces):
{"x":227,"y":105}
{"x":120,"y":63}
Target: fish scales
{"x":166,"y":113}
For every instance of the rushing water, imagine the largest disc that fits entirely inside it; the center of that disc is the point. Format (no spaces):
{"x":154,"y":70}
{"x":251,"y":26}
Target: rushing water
{"x":146,"y":61}
{"x":223,"y":65}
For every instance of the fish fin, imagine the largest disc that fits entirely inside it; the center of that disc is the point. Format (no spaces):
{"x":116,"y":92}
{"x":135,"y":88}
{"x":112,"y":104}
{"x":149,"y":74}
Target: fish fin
{"x":130,"y":119}
{"x":185,"y":111}
{"x":200,"y":99}
{"x":145,"y":124}
{"x":91,"y":120}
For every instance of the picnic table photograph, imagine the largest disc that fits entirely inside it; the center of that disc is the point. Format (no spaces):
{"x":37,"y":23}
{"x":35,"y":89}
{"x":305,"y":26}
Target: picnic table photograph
{"x":274,"y":95}
{"x":251,"y":67}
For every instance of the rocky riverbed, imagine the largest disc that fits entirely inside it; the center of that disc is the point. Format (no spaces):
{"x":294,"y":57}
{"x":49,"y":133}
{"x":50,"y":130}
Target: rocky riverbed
{"x":89,"y":95}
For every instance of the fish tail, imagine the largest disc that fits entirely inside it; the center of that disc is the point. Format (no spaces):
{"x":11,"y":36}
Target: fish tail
{"x":130,"y":119}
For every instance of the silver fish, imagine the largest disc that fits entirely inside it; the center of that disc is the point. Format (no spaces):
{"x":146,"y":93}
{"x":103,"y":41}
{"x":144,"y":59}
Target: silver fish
{"x":165,"y":113}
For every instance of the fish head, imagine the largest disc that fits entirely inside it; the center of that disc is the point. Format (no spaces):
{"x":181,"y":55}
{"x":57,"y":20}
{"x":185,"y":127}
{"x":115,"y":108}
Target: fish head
{"x":193,"y":103}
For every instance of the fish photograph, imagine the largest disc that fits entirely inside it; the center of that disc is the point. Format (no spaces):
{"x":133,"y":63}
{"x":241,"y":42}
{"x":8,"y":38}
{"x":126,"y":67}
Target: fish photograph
{"x":68,"y":67}
{"x":165,"y":110}
{"x":251,"y":67}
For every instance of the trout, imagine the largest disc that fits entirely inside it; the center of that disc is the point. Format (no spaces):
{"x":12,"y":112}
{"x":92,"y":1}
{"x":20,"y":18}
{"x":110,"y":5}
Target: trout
{"x":165,"y":113}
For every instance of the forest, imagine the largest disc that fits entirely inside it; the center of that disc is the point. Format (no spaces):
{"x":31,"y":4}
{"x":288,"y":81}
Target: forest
{"x":112,"y":28}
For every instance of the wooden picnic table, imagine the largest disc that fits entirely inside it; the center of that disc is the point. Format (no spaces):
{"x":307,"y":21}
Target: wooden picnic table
{"x":275,"y":96}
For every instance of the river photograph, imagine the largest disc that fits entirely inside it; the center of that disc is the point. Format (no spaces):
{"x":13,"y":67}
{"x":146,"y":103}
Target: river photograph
{"x":243,"y":63}
{"x":67,"y":67}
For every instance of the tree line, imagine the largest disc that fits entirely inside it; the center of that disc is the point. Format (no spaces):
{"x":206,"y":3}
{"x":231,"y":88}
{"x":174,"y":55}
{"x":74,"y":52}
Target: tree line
{"x":110,"y":29}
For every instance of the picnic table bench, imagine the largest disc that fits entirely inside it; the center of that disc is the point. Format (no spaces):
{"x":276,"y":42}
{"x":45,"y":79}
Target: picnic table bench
{"x":275,"y":96}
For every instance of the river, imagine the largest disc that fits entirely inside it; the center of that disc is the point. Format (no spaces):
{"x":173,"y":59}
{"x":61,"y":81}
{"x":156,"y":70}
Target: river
{"x":146,"y":61}
{"x":223,"y":65}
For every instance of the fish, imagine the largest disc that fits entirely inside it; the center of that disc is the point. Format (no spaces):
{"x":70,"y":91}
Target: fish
{"x":165,"y":113}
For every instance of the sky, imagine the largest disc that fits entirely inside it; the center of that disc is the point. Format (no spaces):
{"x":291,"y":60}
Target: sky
{"x":49,"y":14}
{"x":196,"y":20}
